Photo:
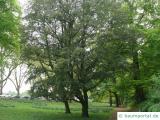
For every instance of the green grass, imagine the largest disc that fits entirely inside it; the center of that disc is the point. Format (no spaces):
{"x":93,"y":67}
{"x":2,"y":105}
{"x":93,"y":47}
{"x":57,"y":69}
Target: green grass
{"x":43,"y":110}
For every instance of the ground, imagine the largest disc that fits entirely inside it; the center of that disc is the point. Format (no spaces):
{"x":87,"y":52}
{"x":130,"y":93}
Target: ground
{"x":42,"y":110}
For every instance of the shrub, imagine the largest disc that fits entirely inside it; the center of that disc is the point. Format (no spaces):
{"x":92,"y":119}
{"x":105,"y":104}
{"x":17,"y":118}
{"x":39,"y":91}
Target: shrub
{"x":152,"y":104}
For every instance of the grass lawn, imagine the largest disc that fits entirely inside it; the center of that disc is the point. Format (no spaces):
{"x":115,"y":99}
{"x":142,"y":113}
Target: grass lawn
{"x":43,"y":110}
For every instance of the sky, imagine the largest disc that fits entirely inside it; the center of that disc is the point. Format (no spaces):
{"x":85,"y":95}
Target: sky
{"x":9,"y":86}
{"x":22,"y":2}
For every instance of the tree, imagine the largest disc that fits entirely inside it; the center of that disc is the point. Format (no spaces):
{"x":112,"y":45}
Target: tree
{"x":9,"y":36}
{"x":19,"y":76}
{"x":141,"y":12}
{"x":121,"y":46}
{"x":113,"y":51}
{"x":9,"y":31}
{"x":6,"y":67}
{"x":66,"y":38}
{"x":90,"y":43}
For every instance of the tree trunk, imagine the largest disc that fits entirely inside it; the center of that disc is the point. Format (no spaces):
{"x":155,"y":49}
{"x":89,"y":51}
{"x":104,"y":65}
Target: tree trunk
{"x":116,"y":99}
{"x":85,"y":113}
{"x":18,"y":92}
{"x":110,"y":98}
{"x":115,"y":93}
{"x":67,"y":108}
{"x":1,"y":90}
{"x":84,"y":103}
{"x":139,"y":93}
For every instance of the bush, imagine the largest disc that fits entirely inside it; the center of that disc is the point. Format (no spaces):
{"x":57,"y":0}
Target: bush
{"x":152,"y":104}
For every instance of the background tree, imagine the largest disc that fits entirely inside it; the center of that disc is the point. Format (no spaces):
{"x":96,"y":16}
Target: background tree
{"x":9,"y":36}
{"x":6,"y":68}
{"x":19,"y":76}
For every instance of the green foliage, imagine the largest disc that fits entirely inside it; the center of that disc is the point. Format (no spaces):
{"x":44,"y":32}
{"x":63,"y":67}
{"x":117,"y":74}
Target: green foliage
{"x":150,"y":52}
{"x":92,"y":47}
{"x":67,"y":54}
{"x":9,"y":24}
{"x":153,"y":99}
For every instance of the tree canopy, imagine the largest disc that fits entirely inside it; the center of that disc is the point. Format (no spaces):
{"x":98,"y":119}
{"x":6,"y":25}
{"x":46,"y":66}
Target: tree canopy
{"x":9,"y":19}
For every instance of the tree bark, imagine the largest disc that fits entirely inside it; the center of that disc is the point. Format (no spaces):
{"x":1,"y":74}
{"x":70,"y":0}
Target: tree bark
{"x":116,"y":99}
{"x":84,"y":104}
{"x":18,"y":92}
{"x":67,"y":108}
{"x":110,"y":98}
{"x":139,"y":92}
{"x":1,"y":90}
